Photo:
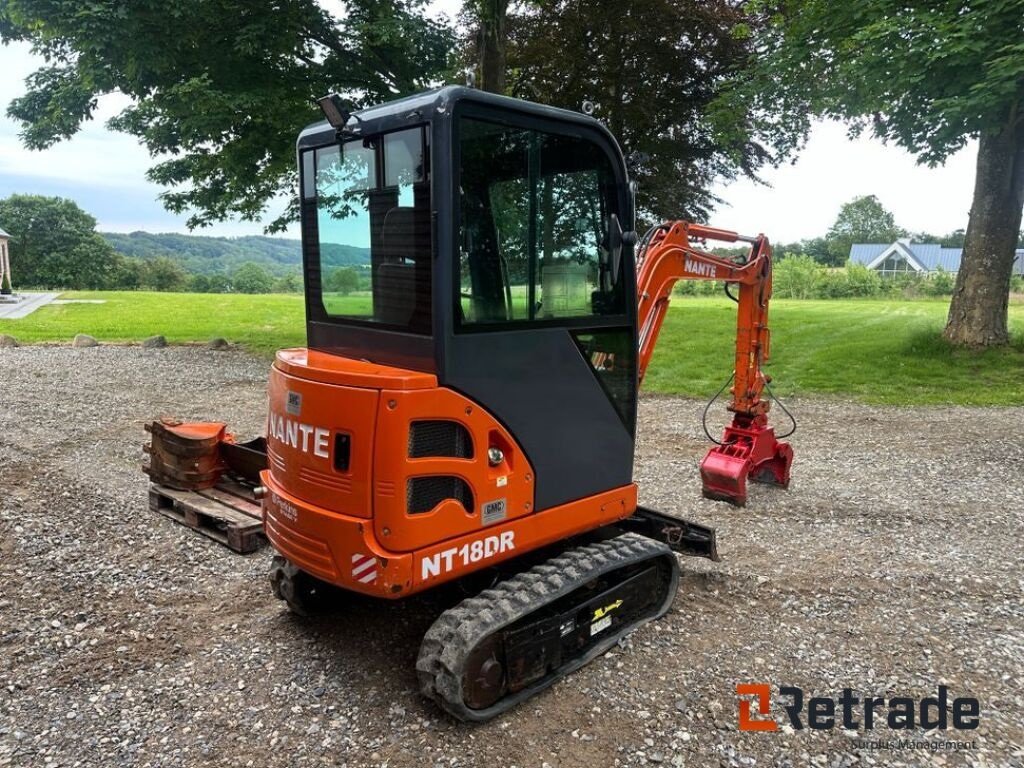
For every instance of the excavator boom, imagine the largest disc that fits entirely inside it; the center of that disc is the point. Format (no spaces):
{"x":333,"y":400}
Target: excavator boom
{"x":749,"y":448}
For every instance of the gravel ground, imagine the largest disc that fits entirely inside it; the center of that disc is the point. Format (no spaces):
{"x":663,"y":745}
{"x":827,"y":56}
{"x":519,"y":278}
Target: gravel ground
{"x":892,"y":565}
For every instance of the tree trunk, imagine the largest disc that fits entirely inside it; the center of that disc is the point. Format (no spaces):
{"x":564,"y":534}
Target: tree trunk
{"x":493,"y":41}
{"x":978,"y":311}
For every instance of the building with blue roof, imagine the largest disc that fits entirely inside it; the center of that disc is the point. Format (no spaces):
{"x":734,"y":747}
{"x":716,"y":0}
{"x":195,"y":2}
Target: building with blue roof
{"x":904,"y":257}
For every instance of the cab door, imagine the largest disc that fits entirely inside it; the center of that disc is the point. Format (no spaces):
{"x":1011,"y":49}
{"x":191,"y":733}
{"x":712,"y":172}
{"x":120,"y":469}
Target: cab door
{"x":543,"y":333}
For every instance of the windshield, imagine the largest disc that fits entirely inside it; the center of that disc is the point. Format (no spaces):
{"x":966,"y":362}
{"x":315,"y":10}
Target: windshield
{"x":535,"y":210}
{"x":373,"y":229}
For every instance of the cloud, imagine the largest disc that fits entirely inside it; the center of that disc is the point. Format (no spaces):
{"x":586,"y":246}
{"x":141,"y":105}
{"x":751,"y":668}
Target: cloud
{"x":103,"y":171}
{"x":804,"y":197}
{"x":117,"y":208}
{"x":95,"y":154}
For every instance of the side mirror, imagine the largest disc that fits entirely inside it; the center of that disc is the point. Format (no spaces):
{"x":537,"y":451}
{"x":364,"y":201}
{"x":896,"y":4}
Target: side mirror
{"x":616,"y":239}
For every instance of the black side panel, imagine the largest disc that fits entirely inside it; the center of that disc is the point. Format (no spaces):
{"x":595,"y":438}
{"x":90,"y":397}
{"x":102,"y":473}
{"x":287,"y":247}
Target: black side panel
{"x":553,"y":405}
{"x":402,"y":350}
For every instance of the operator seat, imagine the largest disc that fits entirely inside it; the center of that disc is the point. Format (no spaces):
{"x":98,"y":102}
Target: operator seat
{"x":402,"y":290}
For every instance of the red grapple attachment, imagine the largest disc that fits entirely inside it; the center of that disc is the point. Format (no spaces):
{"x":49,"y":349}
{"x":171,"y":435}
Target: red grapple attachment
{"x":749,"y":450}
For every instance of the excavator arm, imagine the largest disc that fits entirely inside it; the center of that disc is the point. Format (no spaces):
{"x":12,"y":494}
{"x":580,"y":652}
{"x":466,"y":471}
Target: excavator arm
{"x":749,"y":448}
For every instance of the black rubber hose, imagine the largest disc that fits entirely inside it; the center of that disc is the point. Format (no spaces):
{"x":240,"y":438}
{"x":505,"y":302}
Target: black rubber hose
{"x":785,"y":410}
{"x":704,"y":417}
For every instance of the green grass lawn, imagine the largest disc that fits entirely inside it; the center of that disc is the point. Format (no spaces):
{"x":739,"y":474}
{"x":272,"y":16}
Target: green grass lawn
{"x":874,"y":351}
{"x":261,"y":323}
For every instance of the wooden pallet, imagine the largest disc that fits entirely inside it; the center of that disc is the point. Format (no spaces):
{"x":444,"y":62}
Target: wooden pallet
{"x":228,"y":513}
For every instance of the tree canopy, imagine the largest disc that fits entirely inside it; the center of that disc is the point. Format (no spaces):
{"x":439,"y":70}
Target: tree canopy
{"x":54,"y":244}
{"x":656,"y":92}
{"x":251,"y":278}
{"x":163,"y":274}
{"x":654,"y":69}
{"x":862,"y":220}
{"x":926,"y":76}
{"x":218,"y":102}
{"x":219,"y":87}
{"x":343,"y":280}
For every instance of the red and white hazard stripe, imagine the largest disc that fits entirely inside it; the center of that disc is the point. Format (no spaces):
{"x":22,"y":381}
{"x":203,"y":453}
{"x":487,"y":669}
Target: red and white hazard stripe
{"x":364,"y":568}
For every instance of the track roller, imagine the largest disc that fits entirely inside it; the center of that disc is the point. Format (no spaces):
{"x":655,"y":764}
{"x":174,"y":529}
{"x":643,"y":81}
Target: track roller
{"x":496,"y":649}
{"x":305,"y":595}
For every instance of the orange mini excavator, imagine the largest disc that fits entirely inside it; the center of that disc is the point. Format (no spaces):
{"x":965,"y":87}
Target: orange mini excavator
{"x":480,"y":312}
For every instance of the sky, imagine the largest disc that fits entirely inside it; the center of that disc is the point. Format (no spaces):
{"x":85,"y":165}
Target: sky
{"x":105,"y":173}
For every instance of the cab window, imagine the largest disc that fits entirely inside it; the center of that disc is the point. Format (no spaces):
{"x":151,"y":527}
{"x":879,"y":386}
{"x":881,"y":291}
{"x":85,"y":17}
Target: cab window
{"x":535,"y":211}
{"x":373,"y":228}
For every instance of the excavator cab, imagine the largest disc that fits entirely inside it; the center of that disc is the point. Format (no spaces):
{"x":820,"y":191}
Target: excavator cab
{"x":484,"y":235}
{"x":472,"y":334}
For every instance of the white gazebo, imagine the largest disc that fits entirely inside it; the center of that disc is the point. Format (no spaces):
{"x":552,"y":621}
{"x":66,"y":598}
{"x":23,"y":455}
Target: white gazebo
{"x":5,"y":264}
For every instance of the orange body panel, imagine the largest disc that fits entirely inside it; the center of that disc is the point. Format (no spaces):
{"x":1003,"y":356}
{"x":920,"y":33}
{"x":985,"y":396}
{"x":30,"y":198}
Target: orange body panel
{"x":306,"y":418}
{"x":345,"y":371}
{"x":349,"y":524}
{"x":333,"y":547}
{"x":510,"y":482}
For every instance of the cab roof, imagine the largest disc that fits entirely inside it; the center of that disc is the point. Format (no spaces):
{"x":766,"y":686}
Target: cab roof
{"x":438,"y":103}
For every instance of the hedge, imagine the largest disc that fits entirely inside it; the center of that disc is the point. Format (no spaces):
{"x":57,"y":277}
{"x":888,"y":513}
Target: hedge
{"x":801,"y":277}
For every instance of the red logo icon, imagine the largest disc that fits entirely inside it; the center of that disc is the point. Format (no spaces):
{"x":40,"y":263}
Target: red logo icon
{"x":763,"y":694}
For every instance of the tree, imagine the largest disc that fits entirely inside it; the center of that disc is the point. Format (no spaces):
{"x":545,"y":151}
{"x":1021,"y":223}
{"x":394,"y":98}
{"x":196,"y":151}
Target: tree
{"x":862,"y":220}
{"x":220,"y":284}
{"x":798,"y":277}
{"x":126,"y":274}
{"x":223,"y":97}
{"x":487,"y":21}
{"x":817,"y":249}
{"x":344,"y":280}
{"x":54,"y":244}
{"x":251,"y":278}
{"x":954,"y":239}
{"x":290,"y":283}
{"x":785,"y":250}
{"x":164,"y":274}
{"x":654,"y":69}
{"x":217,"y":283}
{"x":928,"y":77}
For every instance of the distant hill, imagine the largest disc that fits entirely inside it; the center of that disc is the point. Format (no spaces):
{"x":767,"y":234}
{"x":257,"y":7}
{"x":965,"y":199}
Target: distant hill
{"x":212,"y":255}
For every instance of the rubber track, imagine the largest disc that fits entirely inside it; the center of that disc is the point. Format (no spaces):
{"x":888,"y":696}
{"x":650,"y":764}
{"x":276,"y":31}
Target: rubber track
{"x":449,"y":641}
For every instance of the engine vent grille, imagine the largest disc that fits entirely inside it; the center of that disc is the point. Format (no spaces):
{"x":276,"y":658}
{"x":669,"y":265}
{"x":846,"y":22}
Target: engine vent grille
{"x":439,"y":438}
{"x":422,"y":494}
